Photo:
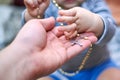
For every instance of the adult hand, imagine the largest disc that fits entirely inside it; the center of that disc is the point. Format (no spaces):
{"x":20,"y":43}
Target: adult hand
{"x":38,"y":51}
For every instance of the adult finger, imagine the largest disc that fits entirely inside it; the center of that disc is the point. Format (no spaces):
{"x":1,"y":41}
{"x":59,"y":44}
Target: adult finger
{"x":48,"y":23}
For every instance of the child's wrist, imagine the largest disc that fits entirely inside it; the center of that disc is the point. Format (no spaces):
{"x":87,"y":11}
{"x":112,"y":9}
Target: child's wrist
{"x":28,"y":16}
{"x":99,"y":26}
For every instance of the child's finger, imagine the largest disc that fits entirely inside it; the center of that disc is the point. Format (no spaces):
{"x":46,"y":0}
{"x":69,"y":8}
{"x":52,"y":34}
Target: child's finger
{"x":73,"y":35}
{"x":70,"y":35}
{"x":58,"y":31}
{"x":28,"y":3}
{"x":35,"y":2}
{"x":31,"y":3}
{"x":70,"y":12}
{"x":66,"y":19}
{"x":68,"y":28}
{"x":67,"y":34}
{"x":40,"y":1}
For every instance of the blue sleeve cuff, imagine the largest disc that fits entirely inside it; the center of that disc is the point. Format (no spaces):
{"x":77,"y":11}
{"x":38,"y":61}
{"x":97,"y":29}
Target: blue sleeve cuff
{"x":23,"y":18}
{"x":105,"y":28}
{"x":109,"y":30}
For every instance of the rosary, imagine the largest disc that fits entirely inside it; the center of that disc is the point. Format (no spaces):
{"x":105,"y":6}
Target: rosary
{"x":75,"y":42}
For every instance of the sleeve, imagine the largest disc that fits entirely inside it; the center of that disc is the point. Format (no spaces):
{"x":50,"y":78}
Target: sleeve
{"x":23,"y":18}
{"x":102,"y":9}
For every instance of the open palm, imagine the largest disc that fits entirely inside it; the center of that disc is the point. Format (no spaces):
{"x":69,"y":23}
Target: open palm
{"x":38,"y":51}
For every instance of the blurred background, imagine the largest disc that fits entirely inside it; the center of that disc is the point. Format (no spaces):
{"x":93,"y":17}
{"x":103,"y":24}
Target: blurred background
{"x":10,"y":20}
{"x":5,"y":1}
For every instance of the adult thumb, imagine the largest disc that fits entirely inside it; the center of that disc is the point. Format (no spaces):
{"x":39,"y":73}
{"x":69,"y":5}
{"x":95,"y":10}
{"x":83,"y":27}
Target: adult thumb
{"x":48,"y":23}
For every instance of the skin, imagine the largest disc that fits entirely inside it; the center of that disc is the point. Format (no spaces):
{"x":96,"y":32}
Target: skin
{"x":77,"y":16}
{"x":82,"y":18}
{"x":75,"y":19}
{"x":67,"y":4}
{"x":110,"y":74}
{"x":33,"y":5}
{"x":36,"y":51}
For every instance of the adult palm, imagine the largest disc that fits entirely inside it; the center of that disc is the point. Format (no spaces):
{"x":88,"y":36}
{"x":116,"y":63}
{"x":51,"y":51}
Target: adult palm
{"x":38,"y":51}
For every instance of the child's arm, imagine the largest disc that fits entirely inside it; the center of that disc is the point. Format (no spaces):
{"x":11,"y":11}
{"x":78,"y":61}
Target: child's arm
{"x":99,"y":7}
{"x":35,"y":8}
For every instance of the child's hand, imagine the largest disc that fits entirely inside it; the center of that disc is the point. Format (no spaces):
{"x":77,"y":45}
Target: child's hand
{"x":35,"y":8}
{"x":70,"y":30}
{"x":85,"y":21}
